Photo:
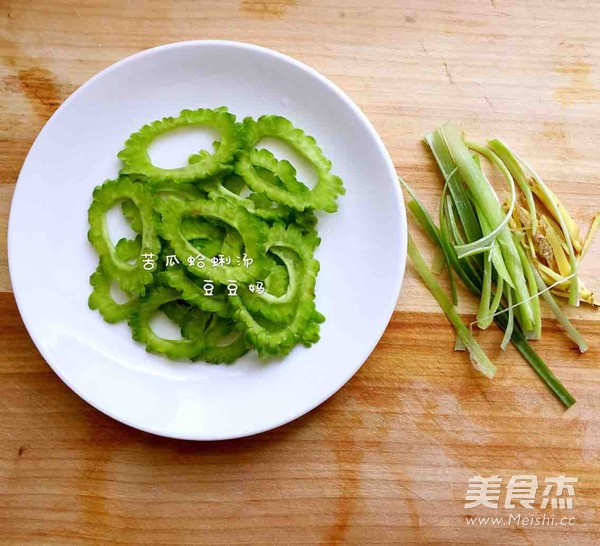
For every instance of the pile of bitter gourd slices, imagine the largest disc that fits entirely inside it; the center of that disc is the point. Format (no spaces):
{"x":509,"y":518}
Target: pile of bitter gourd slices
{"x":225,"y":244}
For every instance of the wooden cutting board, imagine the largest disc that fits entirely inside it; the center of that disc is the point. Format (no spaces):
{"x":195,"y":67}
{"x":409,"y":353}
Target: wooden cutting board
{"x":389,"y":457}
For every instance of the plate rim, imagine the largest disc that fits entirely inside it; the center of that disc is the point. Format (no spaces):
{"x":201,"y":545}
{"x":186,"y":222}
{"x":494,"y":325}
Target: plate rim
{"x":403,"y":231}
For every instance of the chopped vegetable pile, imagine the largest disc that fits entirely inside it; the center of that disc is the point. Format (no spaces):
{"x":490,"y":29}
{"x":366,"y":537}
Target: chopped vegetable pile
{"x":225,"y":244}
{"x":509,"y":255}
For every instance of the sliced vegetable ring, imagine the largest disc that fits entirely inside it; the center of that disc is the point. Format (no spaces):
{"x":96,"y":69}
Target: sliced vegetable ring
{"x":184,"y":191}
{"x":274,"y":325}
{"x":274,"y":339}
{"x":131,"y":277}
{"x":328,"y":187}
{"x":176,"y":349}
{"x":252,"y":231}
{"x":223,"y":343}
{"x":193,"y":293}
{"x":101,"y":297}
{"x":295,"y":250}
{"x":135,"y":154}
{"x":217,"y":189}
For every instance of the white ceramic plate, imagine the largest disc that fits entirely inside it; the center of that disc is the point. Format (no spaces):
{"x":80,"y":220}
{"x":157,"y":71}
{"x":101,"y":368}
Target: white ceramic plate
{"x":362,"y":254}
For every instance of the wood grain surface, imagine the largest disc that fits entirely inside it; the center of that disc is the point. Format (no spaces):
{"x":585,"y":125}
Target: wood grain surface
{"x":388,"y":458}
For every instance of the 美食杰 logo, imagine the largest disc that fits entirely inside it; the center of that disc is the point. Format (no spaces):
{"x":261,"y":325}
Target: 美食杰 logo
{"x":521,"y":491}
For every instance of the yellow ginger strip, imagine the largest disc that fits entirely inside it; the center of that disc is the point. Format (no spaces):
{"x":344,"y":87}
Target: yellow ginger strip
{"x":590,"y":235}
{"x":544,"y":197}
{"x":561,"y":260}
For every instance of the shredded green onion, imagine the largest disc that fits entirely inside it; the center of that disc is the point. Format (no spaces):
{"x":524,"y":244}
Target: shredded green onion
{"x":572,"y":332}
{"x":480,"y":245}
{"x":488,"y":207}
{"x":480,"y":360}
{"x":473,"y":281}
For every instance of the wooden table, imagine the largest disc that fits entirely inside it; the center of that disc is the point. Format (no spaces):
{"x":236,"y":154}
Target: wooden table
{"x":388,"y":458}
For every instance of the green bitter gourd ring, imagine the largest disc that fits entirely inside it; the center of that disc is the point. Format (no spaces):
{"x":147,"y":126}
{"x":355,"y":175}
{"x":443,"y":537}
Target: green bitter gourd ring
{"x":184,"y":191}
{"x":176,"y":349}
{"x":328,"y":187}
{"x":223,"y":343}
{"x":297,"y":305}
{"x":135,"y":154}
{"x":131,"y":277}
{"x":205,"y":336}
{"x":252,"y":231}
{"x":281,"y":339}
{"x":193,"y":293}
{"x":101,"y":297}
{"x":295,"y":249}
{"x":216,"y":189}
